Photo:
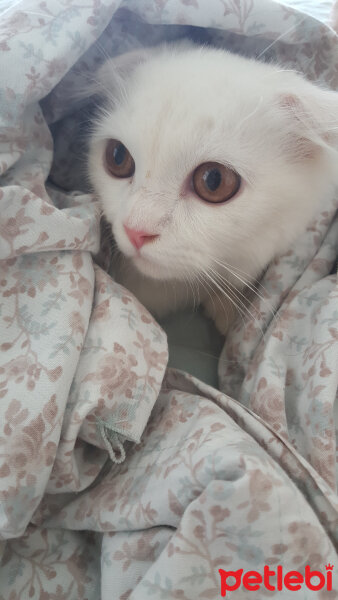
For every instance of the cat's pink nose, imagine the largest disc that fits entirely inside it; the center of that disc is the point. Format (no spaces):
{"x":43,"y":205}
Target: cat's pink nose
{"x":139,"y":238}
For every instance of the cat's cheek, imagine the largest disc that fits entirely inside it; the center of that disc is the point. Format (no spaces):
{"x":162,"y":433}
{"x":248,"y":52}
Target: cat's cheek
{"x":123,"y":244}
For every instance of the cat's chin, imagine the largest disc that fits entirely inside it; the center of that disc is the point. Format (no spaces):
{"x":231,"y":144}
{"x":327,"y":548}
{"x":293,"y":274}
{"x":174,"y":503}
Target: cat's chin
{"x":153,"y":269}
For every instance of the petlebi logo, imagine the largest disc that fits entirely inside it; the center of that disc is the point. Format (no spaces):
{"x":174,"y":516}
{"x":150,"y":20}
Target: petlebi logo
{"x":277,"y":580}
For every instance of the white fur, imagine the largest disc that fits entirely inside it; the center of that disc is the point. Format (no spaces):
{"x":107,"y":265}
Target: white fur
{"x":175,"y":107}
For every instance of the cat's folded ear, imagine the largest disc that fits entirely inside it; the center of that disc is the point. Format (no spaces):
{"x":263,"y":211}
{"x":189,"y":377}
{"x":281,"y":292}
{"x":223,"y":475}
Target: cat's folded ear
{"x":112,"y":75}
{"x":108,"y":81}
{"x":312,"y":117}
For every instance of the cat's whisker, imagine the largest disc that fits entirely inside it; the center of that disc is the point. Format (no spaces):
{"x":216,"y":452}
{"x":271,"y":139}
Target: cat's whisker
{"x":274,"y":313}
{"x":204,"y":285}
{"x":255,"y":110}
{"x":192,"y":283}
{"x":235,"y":270}
{"x":11,"y":7}
{"x":189,"y":290}
{"x":236,"y":293}
{"x":232,"y":299}
{"x":280,"y":37}
{"x":102,"y":50}
{"x":231,"y":286}
{"x":185,"y":280}
{"x":232,"y":270}
{"x":208,"y":280}
{"x":226,"y":294}
{"x":96,"y":87}
{"x":245,"y":284}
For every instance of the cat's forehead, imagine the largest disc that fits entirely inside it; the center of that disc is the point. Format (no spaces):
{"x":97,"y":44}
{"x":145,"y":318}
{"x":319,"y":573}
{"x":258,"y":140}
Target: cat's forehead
{"x":205,"y":86}
{"x":192,"y":95}
{"x":183,"y":108}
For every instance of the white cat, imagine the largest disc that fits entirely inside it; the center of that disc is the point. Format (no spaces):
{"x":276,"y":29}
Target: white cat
{"x":208,"y":165}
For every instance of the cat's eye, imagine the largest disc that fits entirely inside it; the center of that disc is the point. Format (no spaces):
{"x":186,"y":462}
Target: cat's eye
{"x":119,"y":161}
{"x":215,"y":183}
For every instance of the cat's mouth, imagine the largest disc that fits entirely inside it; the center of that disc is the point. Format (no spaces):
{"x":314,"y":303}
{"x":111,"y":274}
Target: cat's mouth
{"x":149,"y":266}
{"x":152,"y":267}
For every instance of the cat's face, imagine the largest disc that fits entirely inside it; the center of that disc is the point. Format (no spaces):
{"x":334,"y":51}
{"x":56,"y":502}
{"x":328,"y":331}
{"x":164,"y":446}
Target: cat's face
{"x":203,"y":158}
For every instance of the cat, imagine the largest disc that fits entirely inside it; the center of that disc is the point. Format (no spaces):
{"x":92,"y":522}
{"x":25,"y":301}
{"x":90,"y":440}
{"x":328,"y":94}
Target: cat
{"x":208,"y":165}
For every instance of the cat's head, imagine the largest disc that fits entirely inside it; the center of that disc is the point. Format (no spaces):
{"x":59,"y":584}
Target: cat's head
{"x":201,"y":157}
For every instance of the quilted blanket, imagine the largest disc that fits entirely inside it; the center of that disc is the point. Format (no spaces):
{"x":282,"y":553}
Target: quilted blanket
{"x":121,"y":478}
